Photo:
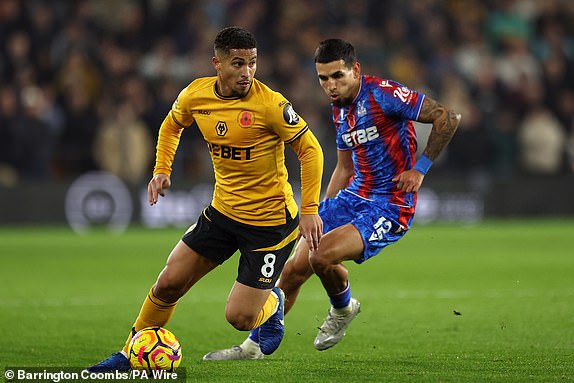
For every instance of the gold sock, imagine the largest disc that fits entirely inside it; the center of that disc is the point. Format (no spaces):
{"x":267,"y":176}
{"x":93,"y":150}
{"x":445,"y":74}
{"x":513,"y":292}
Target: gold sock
{"x":268,"y":309}
{"x":154,"y":312}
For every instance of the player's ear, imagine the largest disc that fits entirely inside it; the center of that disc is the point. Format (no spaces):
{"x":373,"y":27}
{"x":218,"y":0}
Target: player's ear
{"x":357,"y":69}
{"x":216,"y":63}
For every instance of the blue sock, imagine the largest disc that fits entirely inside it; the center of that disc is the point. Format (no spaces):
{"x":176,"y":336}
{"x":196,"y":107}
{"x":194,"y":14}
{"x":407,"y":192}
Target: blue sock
{"x":254,"y":335}
{"x":342,"y":299}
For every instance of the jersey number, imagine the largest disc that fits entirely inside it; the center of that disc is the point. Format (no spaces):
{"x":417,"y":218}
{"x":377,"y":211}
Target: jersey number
{"x":402,"y":93}
{"x":268,"y":267}
{"x":382,"y":227}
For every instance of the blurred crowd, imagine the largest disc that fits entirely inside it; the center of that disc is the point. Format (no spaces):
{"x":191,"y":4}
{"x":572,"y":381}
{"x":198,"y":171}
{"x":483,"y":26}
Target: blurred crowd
{"x":85,"y":84}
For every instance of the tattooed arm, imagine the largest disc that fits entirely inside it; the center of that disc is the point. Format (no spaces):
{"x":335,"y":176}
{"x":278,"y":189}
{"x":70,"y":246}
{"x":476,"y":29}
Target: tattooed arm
{"x":444,"y":124}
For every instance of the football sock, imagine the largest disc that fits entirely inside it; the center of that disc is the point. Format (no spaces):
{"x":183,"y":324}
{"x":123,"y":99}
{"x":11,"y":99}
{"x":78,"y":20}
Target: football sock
{"x":341,"y":301}
{"x":268,"y":309}
{"x":254,"y":335}
{"x":154,"y":312}
{"x":250,"y":346}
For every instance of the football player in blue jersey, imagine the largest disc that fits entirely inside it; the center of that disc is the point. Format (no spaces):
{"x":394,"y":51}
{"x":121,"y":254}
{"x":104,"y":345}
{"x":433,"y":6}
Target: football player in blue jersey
{"x":371,"y":197}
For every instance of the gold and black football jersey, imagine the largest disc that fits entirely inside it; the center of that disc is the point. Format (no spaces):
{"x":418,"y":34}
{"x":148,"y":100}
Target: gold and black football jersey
{"x":246,"y":138}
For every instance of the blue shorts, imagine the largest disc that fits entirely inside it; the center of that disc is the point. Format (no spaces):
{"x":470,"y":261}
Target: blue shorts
{"x":379,"y":222}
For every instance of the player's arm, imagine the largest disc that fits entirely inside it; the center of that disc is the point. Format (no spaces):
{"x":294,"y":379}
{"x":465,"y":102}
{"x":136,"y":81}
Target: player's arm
{"x":310,"y":155}
{"x":167,"y":143}
{"x":444,"y":124}
{"x":342,"y":173}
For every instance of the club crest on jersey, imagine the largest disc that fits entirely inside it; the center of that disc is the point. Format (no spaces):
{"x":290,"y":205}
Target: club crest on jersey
{"x":361,"y":110}
{"x":221,"y":128}
{"x":246,"y":119}
{"x":289,"y":115}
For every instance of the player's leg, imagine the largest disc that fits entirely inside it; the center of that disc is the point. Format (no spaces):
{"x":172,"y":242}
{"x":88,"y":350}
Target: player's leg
{"x":296,"y":272}
{"x":248,"y":307}
{"x":260,"y":311}
{"x":260,"y":265}
{"x":183,"y":269}
{"x":375,"y":225}
{"x":341,"y":244}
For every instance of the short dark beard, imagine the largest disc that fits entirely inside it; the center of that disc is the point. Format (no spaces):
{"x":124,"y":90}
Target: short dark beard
{"x":238,"y":95}
{"x":342,"y":102}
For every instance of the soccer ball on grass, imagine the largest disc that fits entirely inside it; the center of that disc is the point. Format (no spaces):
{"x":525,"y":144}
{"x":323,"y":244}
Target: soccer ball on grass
{"x":154,"y":348}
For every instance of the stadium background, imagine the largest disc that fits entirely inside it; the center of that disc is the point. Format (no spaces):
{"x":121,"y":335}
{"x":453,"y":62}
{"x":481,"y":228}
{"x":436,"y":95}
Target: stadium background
{"x":471,"y":297}
{"x":85,"y":85}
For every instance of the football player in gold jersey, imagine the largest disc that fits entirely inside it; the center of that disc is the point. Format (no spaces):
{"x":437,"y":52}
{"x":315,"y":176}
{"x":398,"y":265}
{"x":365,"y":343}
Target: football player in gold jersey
{"x":246,"y":126}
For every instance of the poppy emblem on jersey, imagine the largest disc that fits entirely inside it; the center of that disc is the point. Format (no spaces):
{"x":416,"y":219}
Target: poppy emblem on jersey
{"x":246,"y":119}
{"x":289,"y":115}
{"x":221,"y":128}
{"x":351,"y":120}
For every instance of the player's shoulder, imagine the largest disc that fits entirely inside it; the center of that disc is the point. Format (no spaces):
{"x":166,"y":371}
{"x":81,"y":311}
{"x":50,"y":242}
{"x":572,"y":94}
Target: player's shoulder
{"x":266,"y":96}
{"x":387,"y":88}
{"x":199,"y":85}
{"x":262,"y":90}
{"x":380,"y":84}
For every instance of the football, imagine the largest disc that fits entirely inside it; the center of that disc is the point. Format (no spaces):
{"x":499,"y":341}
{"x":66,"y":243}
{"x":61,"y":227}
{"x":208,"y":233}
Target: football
{"x":154,"y":348}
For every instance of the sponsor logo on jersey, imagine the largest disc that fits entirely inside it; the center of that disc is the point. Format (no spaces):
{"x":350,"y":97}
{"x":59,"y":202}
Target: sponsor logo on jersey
{"x":385,"y":84}
{"x":360,"y":136}
{"x":289,"y":115}
{"x":221,"y":128}
{"x":230,"y":152}
{"x":245,"y":119}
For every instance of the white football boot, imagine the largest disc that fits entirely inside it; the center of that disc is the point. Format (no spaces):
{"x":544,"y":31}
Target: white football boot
{"x":247,"y":350}
{"x":333,"y":329}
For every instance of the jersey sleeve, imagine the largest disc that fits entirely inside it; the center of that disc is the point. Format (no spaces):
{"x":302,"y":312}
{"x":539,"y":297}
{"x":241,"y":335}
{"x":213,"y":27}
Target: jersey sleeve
{"x":181,"y":108}
{"x":398,"y":100}
{"x":170,"y":130}
{"x":283,"y":119}
{"x":310,"y":155}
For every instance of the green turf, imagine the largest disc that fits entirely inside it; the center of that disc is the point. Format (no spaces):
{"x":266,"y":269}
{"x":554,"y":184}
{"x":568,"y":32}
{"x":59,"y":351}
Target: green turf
{"x":68,"y":301}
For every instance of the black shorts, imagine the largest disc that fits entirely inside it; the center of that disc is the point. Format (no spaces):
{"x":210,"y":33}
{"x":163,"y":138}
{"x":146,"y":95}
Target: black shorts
{"x":264,"y":249}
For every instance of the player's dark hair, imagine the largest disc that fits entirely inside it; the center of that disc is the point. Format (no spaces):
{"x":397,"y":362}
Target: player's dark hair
{"x":234,"y":38}
{"x":335,"y":49}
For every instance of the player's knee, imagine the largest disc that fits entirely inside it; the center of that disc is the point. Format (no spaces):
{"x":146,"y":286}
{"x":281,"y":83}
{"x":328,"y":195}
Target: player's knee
{"x":240,"y":321}
{"x":293,"y":276}
{"x":320,"y":261}
{"x":169,"y":290}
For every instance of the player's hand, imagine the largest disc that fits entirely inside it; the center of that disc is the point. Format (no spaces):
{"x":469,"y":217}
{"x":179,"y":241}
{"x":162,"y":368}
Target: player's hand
{"x":311,"y":228}
{"x":156,"y":187}
{"x":409,"y":181}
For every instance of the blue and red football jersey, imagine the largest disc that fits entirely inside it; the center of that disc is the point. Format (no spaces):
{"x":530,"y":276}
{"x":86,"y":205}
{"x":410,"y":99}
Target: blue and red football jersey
{"x":378,"y":128}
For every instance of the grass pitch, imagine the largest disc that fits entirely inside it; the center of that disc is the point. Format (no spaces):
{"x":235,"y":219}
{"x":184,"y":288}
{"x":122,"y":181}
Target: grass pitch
{"x":448,"y":303}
